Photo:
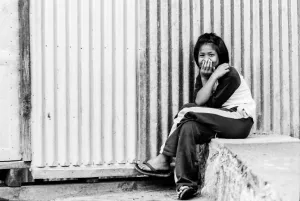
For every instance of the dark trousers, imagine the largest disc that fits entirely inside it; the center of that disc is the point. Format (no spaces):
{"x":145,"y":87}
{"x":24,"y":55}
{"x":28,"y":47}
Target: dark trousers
{"x":198,"y":125}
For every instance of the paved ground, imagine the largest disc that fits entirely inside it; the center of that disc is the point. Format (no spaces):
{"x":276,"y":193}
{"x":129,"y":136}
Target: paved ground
{"x":145,"y":195}
{"x":145,"y":189}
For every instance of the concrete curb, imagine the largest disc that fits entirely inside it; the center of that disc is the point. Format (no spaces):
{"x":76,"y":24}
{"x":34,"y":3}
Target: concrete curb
{"x":228,"y":177}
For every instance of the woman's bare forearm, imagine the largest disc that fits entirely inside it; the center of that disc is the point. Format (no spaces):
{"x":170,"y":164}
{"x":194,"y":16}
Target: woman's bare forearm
{"x":205,"y":92}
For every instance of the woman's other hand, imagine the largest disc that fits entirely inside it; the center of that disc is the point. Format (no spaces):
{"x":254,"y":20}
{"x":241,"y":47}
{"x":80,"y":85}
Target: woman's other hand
{"x":221,"y":70}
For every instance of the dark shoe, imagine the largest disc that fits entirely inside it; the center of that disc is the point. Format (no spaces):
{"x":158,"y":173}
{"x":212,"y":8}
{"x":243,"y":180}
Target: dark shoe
{"x":152,"y":172}
{"x":186,"y":192}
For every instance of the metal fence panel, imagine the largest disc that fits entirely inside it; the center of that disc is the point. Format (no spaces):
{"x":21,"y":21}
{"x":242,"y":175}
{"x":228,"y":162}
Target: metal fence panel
{"x":84,"y":67}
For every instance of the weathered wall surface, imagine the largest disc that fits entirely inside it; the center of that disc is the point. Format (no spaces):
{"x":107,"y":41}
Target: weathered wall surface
{"x":9,"y":76}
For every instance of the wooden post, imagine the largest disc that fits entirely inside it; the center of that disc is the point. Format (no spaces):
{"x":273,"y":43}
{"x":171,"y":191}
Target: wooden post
{"x":14,"y":177}
{"x":15,"y":173}
{"x":25,"y":79}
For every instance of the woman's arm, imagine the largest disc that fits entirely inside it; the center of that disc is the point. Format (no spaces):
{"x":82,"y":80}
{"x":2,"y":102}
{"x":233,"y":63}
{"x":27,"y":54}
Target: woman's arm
{"x":208,"y":83}
{"x":206,"y":91}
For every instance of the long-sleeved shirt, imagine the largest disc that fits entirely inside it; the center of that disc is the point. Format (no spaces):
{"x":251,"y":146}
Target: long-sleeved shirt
{"x":230,"y":91}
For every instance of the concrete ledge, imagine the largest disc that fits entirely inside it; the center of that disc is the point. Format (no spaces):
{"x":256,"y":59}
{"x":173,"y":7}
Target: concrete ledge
{"x":257,"y":139}
{"x":257,"y":168}
{"x":14,"y":165}
{"x":101,"y":171}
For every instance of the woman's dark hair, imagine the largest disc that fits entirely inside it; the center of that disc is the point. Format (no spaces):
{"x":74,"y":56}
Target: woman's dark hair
{"x":218,"y":44}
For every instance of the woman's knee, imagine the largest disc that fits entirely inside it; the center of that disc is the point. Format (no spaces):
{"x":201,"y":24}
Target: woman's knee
{"x":199,"y":132}
{"x":189,"y":128}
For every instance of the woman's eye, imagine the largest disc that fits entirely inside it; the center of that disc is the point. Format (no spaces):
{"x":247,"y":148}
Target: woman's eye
{"x":211,"y":55}
{"x":201,"y":55}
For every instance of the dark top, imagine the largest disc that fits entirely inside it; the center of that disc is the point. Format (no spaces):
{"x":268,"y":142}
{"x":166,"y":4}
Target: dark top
{"x":226,"y":87}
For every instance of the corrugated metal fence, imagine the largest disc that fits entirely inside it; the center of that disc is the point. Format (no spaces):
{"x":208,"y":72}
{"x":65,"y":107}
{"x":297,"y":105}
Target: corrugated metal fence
{"x":84,"y":61}
{"x":108,"y":76}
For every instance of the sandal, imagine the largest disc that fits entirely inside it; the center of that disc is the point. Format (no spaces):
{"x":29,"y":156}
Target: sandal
{"x":186,"y":192}
{"x":152,"y":171}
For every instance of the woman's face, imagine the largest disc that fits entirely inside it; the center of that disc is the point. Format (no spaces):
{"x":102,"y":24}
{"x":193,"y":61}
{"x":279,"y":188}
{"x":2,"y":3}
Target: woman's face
{"x":208,"y":52}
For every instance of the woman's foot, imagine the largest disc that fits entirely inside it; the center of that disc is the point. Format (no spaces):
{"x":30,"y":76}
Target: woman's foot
{"x":160,"y":162}
{"x":186,"y":192}
{"x":158,"y":166}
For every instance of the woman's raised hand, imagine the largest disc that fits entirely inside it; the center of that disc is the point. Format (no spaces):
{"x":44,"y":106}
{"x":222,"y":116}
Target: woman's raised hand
{"x":206,"y":68}
{"x":221,"y":70}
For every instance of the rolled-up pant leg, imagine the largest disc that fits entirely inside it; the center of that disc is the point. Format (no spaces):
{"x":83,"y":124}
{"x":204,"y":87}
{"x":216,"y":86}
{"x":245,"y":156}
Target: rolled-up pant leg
{"x":186,"y":168}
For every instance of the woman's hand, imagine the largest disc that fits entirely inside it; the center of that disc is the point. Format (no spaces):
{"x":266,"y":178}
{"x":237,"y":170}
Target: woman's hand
{"x":206,"y":68}
{"x":221,"y":70}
